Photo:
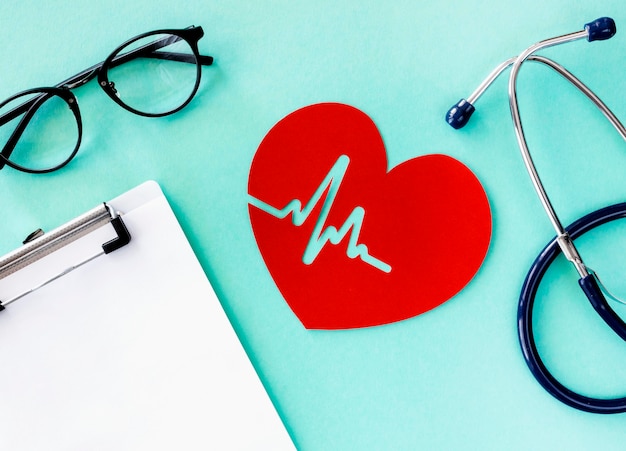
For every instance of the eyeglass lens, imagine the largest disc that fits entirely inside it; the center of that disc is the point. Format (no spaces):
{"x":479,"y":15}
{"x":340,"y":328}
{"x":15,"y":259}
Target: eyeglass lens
{"x":48,"y":139}
{"x":160,"y":78}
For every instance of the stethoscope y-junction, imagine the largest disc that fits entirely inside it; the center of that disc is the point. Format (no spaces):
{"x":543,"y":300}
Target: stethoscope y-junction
{"x":457,"y":117}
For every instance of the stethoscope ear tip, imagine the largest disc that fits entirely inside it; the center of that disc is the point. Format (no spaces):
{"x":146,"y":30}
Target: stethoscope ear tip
{"x":600,"y":29}
{"x":459,"y":114}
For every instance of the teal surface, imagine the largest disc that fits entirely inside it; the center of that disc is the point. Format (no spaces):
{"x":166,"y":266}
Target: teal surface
{"x":453,"y":378}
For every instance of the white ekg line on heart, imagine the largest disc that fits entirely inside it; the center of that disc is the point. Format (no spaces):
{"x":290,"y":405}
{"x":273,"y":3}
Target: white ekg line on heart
{"x":321,"y":236}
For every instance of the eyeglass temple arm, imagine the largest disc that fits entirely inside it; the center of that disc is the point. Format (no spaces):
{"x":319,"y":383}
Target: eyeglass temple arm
{"x":150,"y":51}
{"x":83,"y":77}
{"x":146,"y":51}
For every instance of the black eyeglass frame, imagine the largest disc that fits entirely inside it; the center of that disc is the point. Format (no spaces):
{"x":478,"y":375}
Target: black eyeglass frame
{"x":191,"y":35}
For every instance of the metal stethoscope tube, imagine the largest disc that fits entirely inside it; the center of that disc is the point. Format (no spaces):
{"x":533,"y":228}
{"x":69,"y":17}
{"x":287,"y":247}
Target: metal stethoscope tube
{"x":457,"y":117}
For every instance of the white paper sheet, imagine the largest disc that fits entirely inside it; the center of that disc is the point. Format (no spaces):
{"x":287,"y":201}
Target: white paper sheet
{"x":131,"y":351}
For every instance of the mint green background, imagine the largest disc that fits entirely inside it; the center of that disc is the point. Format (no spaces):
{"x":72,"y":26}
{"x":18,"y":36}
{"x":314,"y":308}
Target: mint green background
{"x":453,"y":378}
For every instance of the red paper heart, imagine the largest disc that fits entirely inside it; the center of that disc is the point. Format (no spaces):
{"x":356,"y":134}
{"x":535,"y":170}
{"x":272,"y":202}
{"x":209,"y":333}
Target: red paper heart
{"x":413,"y":237}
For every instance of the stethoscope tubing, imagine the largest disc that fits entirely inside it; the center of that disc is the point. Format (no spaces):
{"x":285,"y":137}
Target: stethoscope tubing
{"x":600,"y":29}
{"x":525,"y":317}
{"x":564,"y":242}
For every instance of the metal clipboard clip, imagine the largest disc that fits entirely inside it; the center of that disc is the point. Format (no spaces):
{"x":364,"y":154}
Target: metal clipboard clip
{"x":38,"y":245}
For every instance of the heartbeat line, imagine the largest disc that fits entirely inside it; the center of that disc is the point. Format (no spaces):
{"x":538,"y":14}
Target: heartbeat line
{"x":321,"y":236}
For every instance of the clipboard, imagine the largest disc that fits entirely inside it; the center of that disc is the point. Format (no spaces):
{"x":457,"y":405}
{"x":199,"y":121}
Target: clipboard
{"x":127,"y":350}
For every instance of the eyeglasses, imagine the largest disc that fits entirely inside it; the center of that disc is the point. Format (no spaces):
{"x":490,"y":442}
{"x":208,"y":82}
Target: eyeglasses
{"x":41,"y":128}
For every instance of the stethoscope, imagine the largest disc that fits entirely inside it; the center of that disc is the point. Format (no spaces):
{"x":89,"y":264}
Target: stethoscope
{"x":457,"y":117}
